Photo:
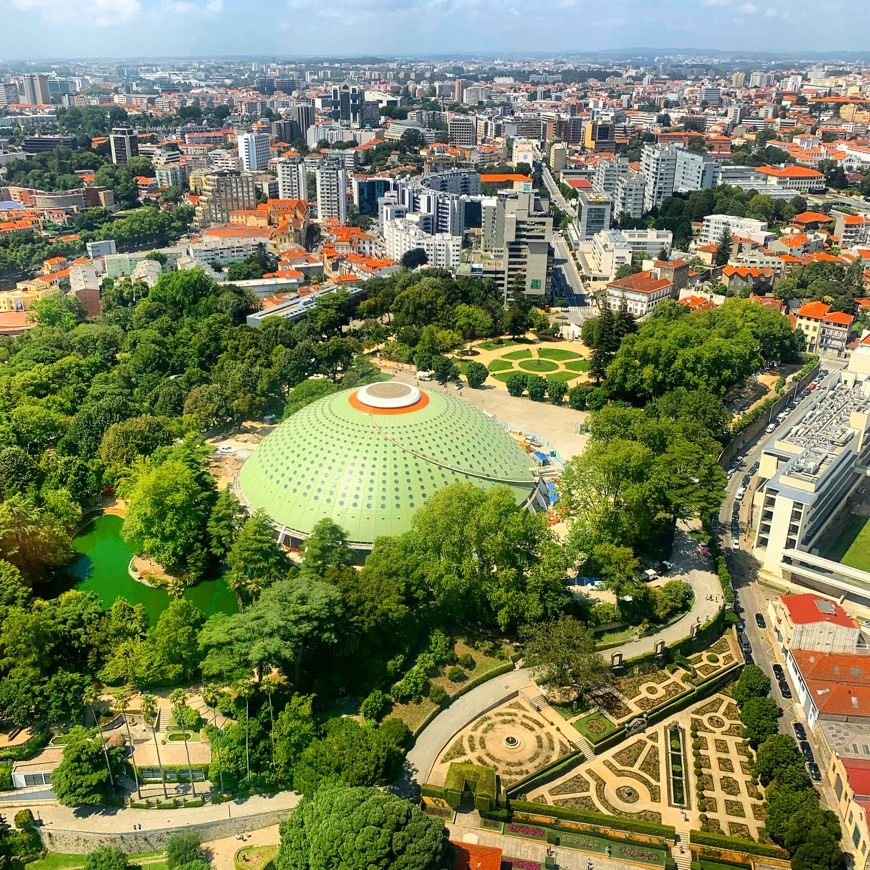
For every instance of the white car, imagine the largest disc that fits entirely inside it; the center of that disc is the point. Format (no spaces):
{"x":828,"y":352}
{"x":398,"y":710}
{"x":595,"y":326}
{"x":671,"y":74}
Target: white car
{"x":740,"y":493}
{"x":226,"y":449}
{"x":735,"y":544}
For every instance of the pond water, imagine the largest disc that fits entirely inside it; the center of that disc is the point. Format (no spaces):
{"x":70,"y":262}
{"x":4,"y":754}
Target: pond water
{"x":102,"y":568}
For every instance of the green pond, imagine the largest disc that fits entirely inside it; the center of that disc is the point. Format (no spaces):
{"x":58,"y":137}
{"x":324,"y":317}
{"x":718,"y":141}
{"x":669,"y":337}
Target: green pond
{"x":102,"y":568}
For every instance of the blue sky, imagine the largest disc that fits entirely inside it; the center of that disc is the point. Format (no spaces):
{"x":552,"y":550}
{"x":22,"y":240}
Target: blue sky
{"x":287,"y":28}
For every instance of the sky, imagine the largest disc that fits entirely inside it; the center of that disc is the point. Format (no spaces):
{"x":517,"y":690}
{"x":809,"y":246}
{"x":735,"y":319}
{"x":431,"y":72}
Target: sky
{"x":295,"y":28}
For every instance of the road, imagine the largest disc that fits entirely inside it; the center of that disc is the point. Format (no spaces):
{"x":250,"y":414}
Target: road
{"x":752,"y":597}
{"x":556,"y":194}
{"x":567,"y":274}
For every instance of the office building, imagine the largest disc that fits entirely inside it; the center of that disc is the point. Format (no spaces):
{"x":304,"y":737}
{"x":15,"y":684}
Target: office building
{"x":629,"y":195}
{"x":462,"y":131}
{"x":124,"y":143}
{"x":34,"y":90}
{"x":254,"y":151}
{"x":369,"y":190}
{"x":292,"y":178}
{"x":285,"y":130}
{"x":594,"y":213}
{"x":302,"y":113}
{"x":518,"y":231}
{"x":332,"y":190}
{"x":599,"y":136}
{"x":38,"y":144}
{"x":710,"y":96}
{"x":220,"y":193}
{"x":347,"y":103}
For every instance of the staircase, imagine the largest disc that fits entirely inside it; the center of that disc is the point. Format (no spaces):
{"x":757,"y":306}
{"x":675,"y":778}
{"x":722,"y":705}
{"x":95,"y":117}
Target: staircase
{"x":542,"y":705}
{"x":162,"y":722}
{"x":683,"y":860}
{"x":584,"y":746}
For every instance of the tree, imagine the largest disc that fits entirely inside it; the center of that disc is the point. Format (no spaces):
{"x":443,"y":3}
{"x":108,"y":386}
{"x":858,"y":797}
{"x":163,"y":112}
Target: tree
{"x":556,"y":390}
{"x":107,"y":858}
{"x":59,"y":310}
{"x":184,"y":848}
{"x":776,"y":753}
{"x":18,"y":472}
{"x":414,"y":258}
{"x":325,"y":548}
{"x":625,"y":270}
{"x":516,"y":383}
{"x":406,"y":838}
{"x":149,"y":712}
{"x":759,"y":717}
{"x":562,"y":654}
{"x":129,"y":440}
{"x":753,"y":683}
{"x":723,"y":248}
{"x":225,"y":522}
{"x":536,"y":387}
{"x":83,"y":776}
{"x":254,"y":561}
{"x":294,"y":730}
{"x":122,"y":699}
{"x":31,"y":541}
{"x":476,"y":373}
{"x":444,"y":369}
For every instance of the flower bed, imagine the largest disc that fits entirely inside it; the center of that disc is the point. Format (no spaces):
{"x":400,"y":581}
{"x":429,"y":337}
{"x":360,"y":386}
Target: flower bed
{"x":526,"y":831}
{"x":520,"y":864}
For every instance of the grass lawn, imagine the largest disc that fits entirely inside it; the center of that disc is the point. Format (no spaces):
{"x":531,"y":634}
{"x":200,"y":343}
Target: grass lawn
{"x":502,"y":376}
{"x":538,"y":365}
{"x":594,"y":727}
{"x":563,"y":376}
{"x":500,"y":365}
{"x":462,"y":365}
{"x":255,"y":857}
{"x":61,"y":861}
{"x":707,"y":864}
{"x":609,"y":638}
{"x":496,"y":345}
{"x":852,"y":547}
{"x":524,"y":353}
{"x":577,"y":365}
{"x":558,"y":354}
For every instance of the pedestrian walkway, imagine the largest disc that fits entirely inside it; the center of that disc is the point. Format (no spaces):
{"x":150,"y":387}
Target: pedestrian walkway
{"x":683,"y":857}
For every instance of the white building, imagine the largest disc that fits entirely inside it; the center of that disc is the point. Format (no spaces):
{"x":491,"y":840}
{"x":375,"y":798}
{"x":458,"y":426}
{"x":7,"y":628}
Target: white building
{"x":595,"y":213}
{"x":608,"y":173}
{"x":462,"y":130}
{"x":332,"y":191}
{"x":672,"y":168}
{"x":292,"y":178}
{"x":629,"y":195}
{"x":716,"y":224}
{"x":402,"y":235}
{"x":254,"y":151}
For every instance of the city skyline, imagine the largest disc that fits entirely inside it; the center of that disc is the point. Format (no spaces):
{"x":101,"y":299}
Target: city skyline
{"x":114,"y":28}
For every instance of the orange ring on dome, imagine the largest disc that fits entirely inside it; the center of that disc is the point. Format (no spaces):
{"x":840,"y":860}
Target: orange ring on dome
{"x":369,"y":409}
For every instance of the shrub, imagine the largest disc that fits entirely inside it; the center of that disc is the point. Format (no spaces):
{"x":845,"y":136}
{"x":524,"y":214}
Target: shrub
{"x":5,"y":777}
{"x":735,"y":844}
{"x":466,"y":660}
{"x":374,"y":706}
{"x":456,"y":674}
{"x":437,"y":694}
{"x":182,"y":849}
{"x":107,"y":858}
{"x":23,"y":819}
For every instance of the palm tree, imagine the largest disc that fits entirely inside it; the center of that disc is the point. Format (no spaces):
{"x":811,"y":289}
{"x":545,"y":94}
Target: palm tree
{"x":238,"y":583}
{"x":244,"y":689}
{"x":183,"y":716}
{"x":271,"y":683}
{"x":211,"y":695}
{"x":123,"y":696}
{"x":149,"y":709}
{"x":91,"y":696}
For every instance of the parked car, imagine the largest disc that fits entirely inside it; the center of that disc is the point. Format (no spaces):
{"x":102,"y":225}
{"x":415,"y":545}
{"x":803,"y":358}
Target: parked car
{"x":745,"y":645}
{"x":753,"y":468}
{"x":784,"y":690}
{"x":807,"y":750}
{"x":746,"y":479}
{"x":759,"y":621}
{"x":778,"y":672}
{"x":738,"y":460}
{"x":747,"y":657}
{"x":771,"y":427}
{"x":735,"y":544}
{"x":741,"y":491}
{"x":799,"y":731}
{"x":815,"y":773}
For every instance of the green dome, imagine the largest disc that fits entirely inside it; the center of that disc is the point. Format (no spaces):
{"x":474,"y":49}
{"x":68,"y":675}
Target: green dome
{"x":368,"y":458}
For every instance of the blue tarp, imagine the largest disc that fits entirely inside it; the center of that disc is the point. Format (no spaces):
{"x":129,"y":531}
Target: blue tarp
{"x":551,"y":489}
{"x":541,"y":457}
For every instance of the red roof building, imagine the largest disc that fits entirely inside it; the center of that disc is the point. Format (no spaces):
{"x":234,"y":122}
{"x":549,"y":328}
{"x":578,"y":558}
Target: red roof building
{"x":473,"y":856}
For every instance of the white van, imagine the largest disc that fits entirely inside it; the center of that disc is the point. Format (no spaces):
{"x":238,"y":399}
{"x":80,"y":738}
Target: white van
{"x":740,"y":493}
{"x":770,"y":428}
{"x":424,"y":376}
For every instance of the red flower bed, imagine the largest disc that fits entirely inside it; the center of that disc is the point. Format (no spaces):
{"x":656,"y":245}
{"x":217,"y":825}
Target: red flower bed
{"x":527,"y":831}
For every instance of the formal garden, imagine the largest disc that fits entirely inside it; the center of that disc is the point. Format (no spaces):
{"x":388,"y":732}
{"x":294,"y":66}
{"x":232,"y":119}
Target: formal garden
{"x":556,"y":363}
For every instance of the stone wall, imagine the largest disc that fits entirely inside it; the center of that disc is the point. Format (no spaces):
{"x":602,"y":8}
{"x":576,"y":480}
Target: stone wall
{"x":83,"y":843}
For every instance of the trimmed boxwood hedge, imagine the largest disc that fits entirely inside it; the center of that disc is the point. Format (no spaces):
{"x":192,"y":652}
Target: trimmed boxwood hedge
{"x":636,"y":826}
{"x":735,"y":844}
{"x":480,"y":780}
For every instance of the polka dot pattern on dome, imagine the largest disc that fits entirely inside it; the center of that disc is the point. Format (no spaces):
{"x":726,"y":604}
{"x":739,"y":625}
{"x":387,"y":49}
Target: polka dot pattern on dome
{"x":331,"y":459}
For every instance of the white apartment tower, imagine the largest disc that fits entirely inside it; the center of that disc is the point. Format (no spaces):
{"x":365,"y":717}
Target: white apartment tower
{"x":254,"y":151}
{"x":292,"y":178}
{"x":332,"y":191}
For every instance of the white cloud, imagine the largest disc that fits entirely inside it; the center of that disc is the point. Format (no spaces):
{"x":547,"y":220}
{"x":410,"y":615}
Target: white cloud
{"x":186,"y":7}
{"x":101,"y":13}
{"x":748,"y":9}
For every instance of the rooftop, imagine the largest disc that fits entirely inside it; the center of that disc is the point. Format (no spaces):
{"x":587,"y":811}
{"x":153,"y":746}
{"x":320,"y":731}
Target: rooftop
{"x":809,"y":608}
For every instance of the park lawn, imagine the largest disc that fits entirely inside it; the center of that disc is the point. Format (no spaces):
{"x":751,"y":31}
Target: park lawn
{"x":255,"y":857}
{"x":557,"y":353}
{"x":611,"y":638}
{"x":538,"y":365}
{"x":562,"y":376}
{"x":523,"y":353}
{"x":577,"y":365}
{"x":852,"y":546}
{"x":497,"y":345}
{"x":500,"y":365}
{"x":601,"y":726}
{"x":502,"y":376}
{"x":62,"y":861}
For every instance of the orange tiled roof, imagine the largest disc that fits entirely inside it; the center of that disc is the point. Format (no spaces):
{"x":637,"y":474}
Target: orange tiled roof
{"x":790,"y":172}
{"x":813,"y":310}
{"x":641,"y":282}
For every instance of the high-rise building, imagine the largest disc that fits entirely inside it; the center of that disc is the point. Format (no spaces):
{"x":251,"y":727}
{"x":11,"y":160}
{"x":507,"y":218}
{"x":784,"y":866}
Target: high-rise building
{"x":220,"y":193}
{"x":670,"y":168}
{"x":368,"y":190}
{"x":303,"y":115}
{"x":284,"y":131}
{"x":608,"y":173}
{"x":711,"y":96}
{"x":458,"y":88}
{"x":332,"y":190}
{"x":595,"y":211}
{"x":462,"y":130}
{"x":599,"y":136}
{"x":34,"y":90}
{"x":629,"y":194}
{"x":292,"y":178}
{"x":738,"y":80}
{"x":558,"y":156}
{"x":254,"y":151}
{"x":347,"y":102}
{"x":8,"y":94}
{"x":124,"y":143}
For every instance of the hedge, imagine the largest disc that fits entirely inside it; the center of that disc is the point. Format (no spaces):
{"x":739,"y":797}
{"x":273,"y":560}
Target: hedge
{"x":480,"y":780}
{"x":636,"y":826}
{"x":735,"y":844}
{"x":562,"y":765}
{"x":700,"y":692}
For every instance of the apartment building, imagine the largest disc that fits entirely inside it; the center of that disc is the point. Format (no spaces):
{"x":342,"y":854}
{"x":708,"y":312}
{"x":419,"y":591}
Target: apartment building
{"x":717,"y":224}
{"x":826,"y":331}
{"x":852,"y":229}
{"x":332,"y":191}
{"x":220,"y":193}
{"x":629,"y":195}
{"x":462,"y":130}
{"x":124,"y":143}
{"x":608,"y":173}
{"x":292,"y":178}
{"x":253,"y":151}
{"x":671,"y":168}
{"x":402,"y":235}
